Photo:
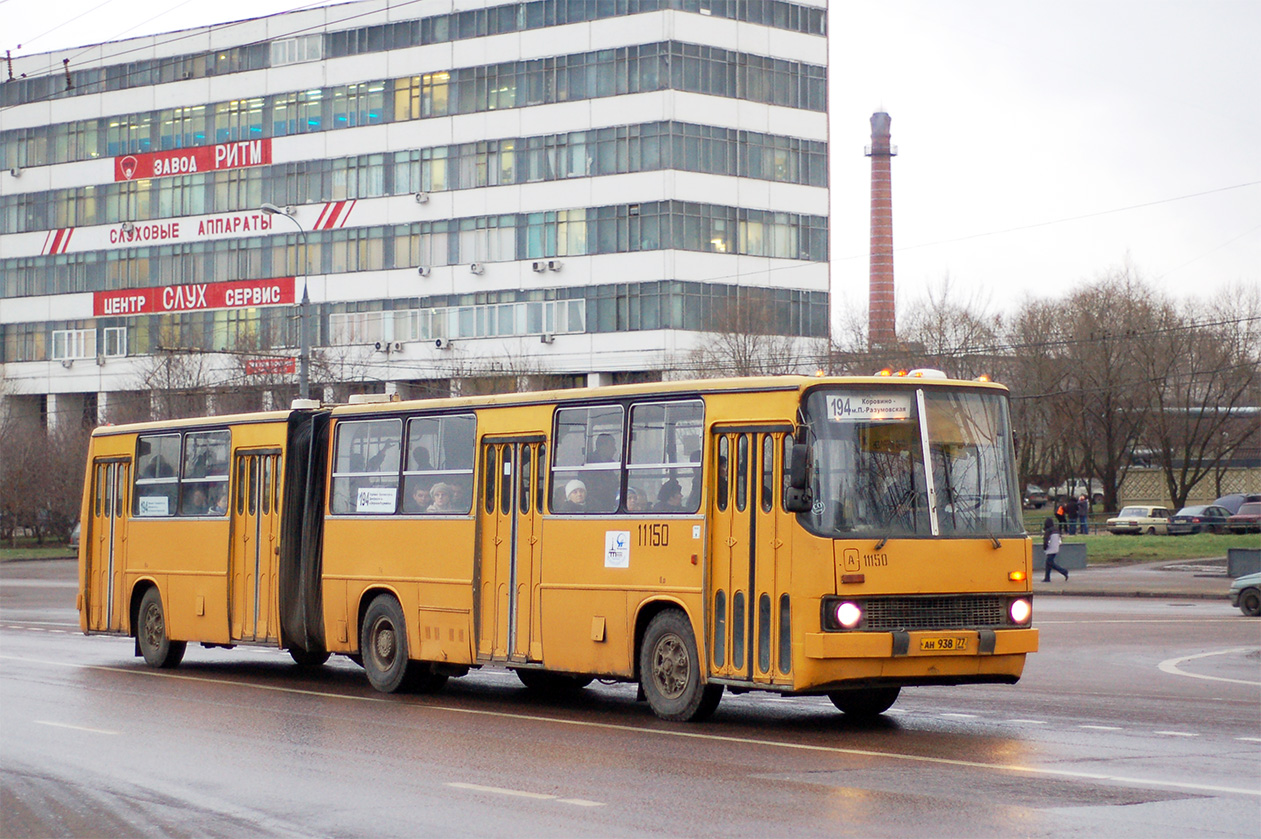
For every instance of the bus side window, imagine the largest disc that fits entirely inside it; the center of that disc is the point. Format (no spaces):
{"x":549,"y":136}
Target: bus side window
{"x":722,"y":487}
{"x":587,"y":460}
{"x":491,"y":476}
{"x":366,"y":462}
{"x":540,"y":476}
{"x":768,"y":473}
{"x":157,"y":474}
{"x":663,"y":472}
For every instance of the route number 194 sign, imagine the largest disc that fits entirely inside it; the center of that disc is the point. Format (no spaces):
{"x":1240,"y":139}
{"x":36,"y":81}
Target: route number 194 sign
{"x":868,"y":407}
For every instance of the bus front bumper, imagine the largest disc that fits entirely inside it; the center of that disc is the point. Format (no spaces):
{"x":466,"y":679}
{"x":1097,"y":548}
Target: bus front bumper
{"x":947,"y":644}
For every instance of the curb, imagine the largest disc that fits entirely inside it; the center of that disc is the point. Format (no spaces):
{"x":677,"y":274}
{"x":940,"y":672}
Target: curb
{"x":1154,"y":595}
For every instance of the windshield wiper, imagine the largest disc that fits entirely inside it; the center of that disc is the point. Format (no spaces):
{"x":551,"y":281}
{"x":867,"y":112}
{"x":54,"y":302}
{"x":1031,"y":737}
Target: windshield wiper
{"x":908,"y":501}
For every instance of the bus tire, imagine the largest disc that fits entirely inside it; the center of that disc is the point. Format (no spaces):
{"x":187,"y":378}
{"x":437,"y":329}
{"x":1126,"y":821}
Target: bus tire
{"x":670,"y":673}
{"x":158,"y":650}
{"x":552,"y":684}
{"x":383,"y":644}
{"x":865,"y":703}
{"x":307,"y":658}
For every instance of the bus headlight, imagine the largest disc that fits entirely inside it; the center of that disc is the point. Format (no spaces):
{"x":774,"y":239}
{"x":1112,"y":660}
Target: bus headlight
{"x":848,"y":615}
{"x":1020,"y":610}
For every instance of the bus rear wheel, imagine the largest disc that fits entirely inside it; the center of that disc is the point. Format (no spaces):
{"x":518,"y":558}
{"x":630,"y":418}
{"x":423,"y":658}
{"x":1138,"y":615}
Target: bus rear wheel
{"x":158,"y":650}
{"x":670,"y":673}
{"x":864,"y":703}
{"x":383,"y":644}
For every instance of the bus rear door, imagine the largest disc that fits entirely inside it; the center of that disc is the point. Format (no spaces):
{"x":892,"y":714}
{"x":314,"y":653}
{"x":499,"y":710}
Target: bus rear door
{"x":107,"y":544}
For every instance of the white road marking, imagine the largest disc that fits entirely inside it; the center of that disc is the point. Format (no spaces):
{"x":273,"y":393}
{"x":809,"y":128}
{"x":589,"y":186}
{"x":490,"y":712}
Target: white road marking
{"x":679,"y":733}
{"x":76,"y":727}
{"x":1170,"y":665}
{"x":1029,"y":722}
{"x":500,"y":791}
{"x":1177,"y":733}
{"x":960,"y":716}
{"x":519,"y":793}
{"x":1249,"y":739}
{"x":1101,"y":727}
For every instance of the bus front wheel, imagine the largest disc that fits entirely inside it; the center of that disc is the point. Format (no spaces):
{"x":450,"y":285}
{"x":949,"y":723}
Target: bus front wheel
{"x":158,"y":650}
{"x":865,"y":703}
{"x":383,"y":644}
{"x":669,"y":671}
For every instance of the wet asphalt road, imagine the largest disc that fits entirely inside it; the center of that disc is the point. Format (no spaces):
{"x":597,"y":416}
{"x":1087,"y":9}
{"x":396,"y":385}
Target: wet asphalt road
{"x":1140,"y":718}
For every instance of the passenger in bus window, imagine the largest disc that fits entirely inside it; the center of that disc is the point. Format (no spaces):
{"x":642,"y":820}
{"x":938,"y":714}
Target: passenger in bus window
{"x":420,"y":459}
{"x":670,"y":497}
{"x":221,"y":502}
{"x":634,"y":501}
{"x":195,"y":504}
{"x":420,"y":500}
{"x":443,"y":499}
{"x":575,"y":497}
{"x":602,"y":494}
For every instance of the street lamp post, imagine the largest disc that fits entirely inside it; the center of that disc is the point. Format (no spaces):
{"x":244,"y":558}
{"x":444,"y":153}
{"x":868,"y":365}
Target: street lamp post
{"x":304,"y":313}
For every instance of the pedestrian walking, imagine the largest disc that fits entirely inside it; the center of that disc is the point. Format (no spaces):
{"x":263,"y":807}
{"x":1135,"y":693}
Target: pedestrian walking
{"x":1051,"y":541}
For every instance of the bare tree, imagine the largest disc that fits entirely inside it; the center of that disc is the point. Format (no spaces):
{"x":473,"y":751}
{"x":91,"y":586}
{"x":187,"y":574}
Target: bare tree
{"x":1202,"y":380}
{"x":951,"y":332}
{"x":746,"y":337}
{"x":41,"y":478}
{"x":1046,"y":447}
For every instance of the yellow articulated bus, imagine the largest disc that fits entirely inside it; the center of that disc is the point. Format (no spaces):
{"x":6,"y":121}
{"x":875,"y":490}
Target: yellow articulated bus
{"x":810,"y":536}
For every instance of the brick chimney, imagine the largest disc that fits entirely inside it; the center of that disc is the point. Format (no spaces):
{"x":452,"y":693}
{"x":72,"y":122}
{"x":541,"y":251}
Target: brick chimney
{"x":881,"y":311}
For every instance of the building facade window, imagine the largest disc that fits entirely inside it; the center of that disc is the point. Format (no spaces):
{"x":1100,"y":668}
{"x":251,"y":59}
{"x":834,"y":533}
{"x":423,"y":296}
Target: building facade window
{"x":668,"y":65}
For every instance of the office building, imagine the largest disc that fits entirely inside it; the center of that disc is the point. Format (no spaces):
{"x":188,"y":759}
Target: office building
{"x":576,"y":190}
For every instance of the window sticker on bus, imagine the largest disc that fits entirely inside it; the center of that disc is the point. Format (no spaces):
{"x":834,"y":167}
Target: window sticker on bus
{"x":873,"y":407}
{"x":617,"y":549}
{"x":154,"y":505}
{"x":375,"y":500}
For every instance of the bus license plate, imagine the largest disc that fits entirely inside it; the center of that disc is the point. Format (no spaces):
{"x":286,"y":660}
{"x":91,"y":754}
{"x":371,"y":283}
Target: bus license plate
{"x":944,"y":644}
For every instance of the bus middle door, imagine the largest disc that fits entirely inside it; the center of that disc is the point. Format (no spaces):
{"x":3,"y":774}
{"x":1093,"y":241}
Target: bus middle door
{"x":255,"y":538}
{"x":509,"y":567}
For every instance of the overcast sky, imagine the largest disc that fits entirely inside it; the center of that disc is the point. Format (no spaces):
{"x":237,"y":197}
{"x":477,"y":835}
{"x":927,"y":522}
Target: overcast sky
{"x":1041,"y":143}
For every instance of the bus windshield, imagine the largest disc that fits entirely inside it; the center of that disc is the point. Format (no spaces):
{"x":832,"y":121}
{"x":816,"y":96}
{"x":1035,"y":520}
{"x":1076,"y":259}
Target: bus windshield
{"x":869,"y":448}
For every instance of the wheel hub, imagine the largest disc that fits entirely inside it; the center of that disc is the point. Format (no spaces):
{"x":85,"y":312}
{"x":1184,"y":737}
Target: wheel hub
{"x":670,"y":666}
{"x":384,"y":644}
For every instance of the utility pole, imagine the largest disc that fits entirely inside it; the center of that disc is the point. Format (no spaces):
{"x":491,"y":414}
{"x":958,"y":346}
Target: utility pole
{"x":304,"y":312}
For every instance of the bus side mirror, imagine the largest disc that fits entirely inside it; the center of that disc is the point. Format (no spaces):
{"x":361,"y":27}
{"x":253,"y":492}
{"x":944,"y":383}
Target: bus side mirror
{"x":797,"y":497}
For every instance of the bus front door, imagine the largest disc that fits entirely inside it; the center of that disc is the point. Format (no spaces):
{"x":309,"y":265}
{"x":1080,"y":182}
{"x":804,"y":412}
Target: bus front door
{"x":255,"y":511}
{"x":508,"y":562}
{"x":749,"y":558}
{"x":107,"y":545}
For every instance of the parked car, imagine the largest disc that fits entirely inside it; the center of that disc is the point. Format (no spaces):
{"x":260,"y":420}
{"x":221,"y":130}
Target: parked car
{"x":74,"y":535}
{"x":1235,"y":500}
{"x":1035,"y":497}
{"x":1140,"y":519}
{"x":1245,"y":592}
{"x":1247,"y":520}
{"x":1198,"y":519}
